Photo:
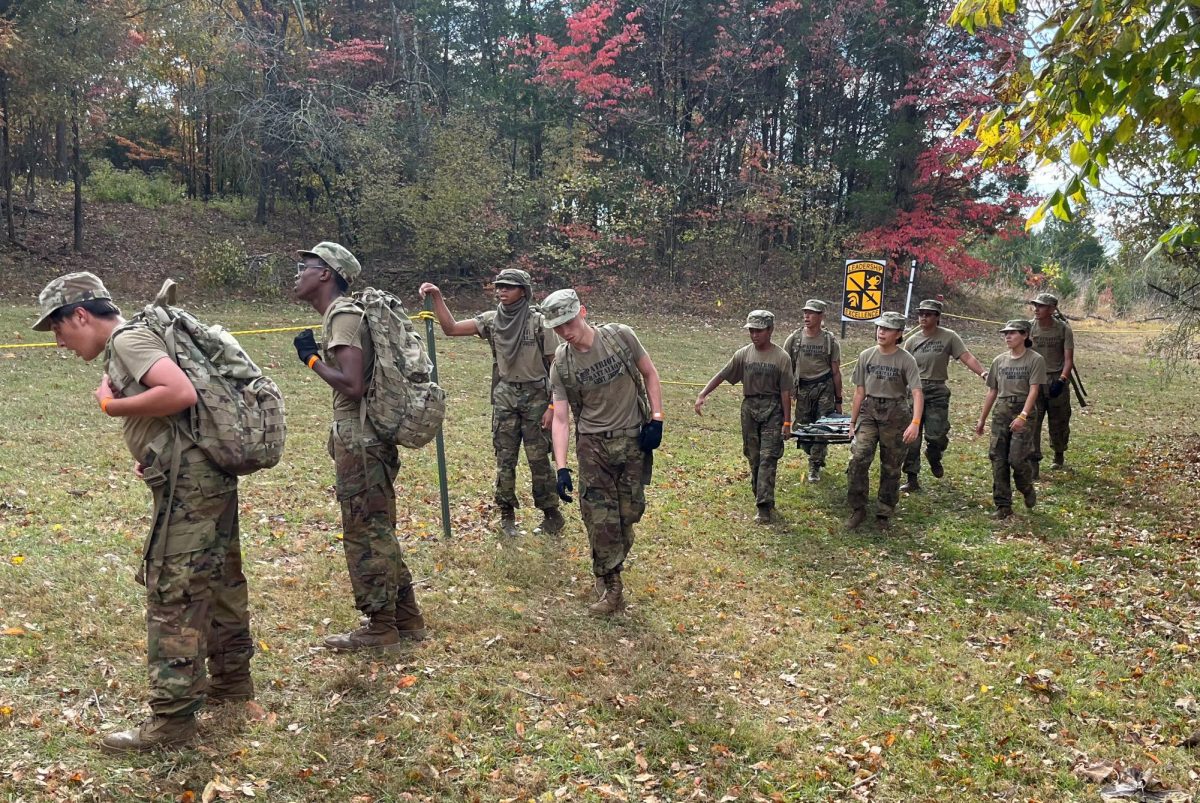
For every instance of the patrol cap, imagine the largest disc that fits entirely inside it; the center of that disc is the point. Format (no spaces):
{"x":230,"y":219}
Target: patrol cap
{"x":815,"y":305}
{"x":1045,"y":299}
{"x":561,"y":306}
{"x":338,"y":258}
{"x":930,"y":305}
{"x":70,"y":288}
{"x":760,"y":319}
{"x":891,"y":320}
{"x":514,"y":277}
{"x":1016,"y":325}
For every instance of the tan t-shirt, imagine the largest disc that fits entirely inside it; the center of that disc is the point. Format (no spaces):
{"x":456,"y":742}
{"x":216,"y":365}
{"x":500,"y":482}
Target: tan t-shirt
{"x":814,"y":356}
{"x":346,"y":326}
{"x":529,"y":364}
{"x":933,"y":352}
{"x":1012,"y":376}
{"x":762,"y":373}
{"x":887,"y":376}
{"x":133,"y":353}
{"x":1052,"y":343}
{"x":608,"y":393}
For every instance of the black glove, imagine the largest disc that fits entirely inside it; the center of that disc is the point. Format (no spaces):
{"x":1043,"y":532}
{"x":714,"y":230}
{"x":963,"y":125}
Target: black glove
{"x":650,"y":438}
{"x":564,"y":485}
{"x":1057,"y":387}
{"x":306,"y":346}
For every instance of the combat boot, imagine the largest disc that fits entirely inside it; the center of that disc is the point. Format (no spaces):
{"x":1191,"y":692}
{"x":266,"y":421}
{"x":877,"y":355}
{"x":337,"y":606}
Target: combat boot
{"x":814,"y":473}
{"x":553,"y":521}
{"x":765,"y":515}
{"x":508,"y":522}
{"x":856,"y":519}
{"x":1002,"y":513}
{"x":912,"y":486}
{"x":613,"y":600}
{"x":229,"y":678}
{"x":410,"y":624}
{"x":153,"y":733}
{"x":1030,"y":496}
{"x":380,"y":634}
{"x":935,"y":466}
{"x":598,"y":589}
{"x":223,"y":691}
{"x":883,"y":524}
{"x":1060,"y":461}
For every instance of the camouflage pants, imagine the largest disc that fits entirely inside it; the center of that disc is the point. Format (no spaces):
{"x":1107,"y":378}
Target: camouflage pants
{"x":366,"y":474}
{"x":1009,"y":451}
{"x":881,"y":422}
{"x":612,"y":496}
{"x":1058,"y":412}
{"x":935,"y":427}
{"x":812,"y":402}
{"x":517,"y":410}
{"x":762,"y":444}
{"x":196,"y":601}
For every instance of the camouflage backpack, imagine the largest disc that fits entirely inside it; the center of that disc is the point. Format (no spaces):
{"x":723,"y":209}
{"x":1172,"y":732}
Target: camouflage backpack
{"x":613,"y":341}
{"x":404,"y":406}
{"x":238,"y":417}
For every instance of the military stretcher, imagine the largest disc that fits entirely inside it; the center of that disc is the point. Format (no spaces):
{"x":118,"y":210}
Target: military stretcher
{"x":826,"y":429}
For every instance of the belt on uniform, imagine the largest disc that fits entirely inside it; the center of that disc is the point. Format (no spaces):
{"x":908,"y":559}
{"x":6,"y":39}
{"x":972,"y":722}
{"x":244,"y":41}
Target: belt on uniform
{"x":528,"y":384}
{"x":933,"y":381}
{"x":1012,"y":398}
{"x":887,"y":399}
{"x":628,"y":432}
{"x":806,"y":382}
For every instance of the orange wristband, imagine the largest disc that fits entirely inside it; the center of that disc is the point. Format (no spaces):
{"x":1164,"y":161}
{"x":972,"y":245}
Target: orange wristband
{"x":313,"y":360}
{"x":104,"y":404}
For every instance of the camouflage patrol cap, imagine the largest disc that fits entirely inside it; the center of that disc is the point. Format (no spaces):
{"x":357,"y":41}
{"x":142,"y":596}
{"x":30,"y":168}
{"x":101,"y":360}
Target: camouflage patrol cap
{"x":1045,"y":300}
{"x":1016,"y":325}
{"x":930,"y":305}
{"x":514,"y":277}
{"x":760,"y":319}
{"x":815,"y":305}
{"x":338,"y":258}
{"x":891,"y":320}
{"x":561,"y":306}
{"x":70,"y":288}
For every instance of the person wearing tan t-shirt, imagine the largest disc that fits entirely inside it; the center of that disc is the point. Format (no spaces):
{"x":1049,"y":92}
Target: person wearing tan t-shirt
{"x":606,"y":378}
{"x":198,"y":642}
{"x":817,"y":377}
{"x":364,"y":466}
{"x":765,"y":371}
{"x":884,"y":376}
{"x":1013,"y":385}
{"x":1054,"y":339}
{"x":522,"y":350}
{"x":933,"y":346}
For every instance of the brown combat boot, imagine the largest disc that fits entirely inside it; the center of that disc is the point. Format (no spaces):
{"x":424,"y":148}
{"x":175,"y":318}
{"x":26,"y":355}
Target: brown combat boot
{"x":154,"y":733}
{"x":856,"y":519}
{"x":1030,"y":496}
{"x":883,"y":524}
{"x":598,"y":589}
{"x":229,"y":677}
{"x":765,"y":515}
{"x":225,"y":692}
{"x":1002,"y":513}
{"x":410,"y":624}
{"x":380,"y":634}
{"x":508,"y":522}
{"x":1060,"y":461}
{"x":935,"y":466}
{"x":553,"y":521}
{"x":613,"y":600}
{"x":912,"y":486}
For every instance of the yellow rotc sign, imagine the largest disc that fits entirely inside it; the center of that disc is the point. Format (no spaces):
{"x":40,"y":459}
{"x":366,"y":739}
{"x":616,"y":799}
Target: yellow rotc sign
{"x":862,"y":296}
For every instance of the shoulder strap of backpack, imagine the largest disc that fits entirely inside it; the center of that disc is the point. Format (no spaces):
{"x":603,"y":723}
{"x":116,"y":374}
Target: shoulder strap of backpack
{"x":612,"y":339}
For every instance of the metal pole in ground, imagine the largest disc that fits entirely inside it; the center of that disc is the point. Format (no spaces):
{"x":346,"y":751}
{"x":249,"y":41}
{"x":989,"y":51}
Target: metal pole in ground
{"x":443,"y":483}
{"x":912,"y":280}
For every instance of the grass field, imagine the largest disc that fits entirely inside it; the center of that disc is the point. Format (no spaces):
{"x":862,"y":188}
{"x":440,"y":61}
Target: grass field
{"x":793,"y":662}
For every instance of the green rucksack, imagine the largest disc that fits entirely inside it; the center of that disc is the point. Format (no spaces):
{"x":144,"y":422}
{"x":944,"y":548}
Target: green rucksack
{"x":404,"y":406}
{"x":238,"y":419}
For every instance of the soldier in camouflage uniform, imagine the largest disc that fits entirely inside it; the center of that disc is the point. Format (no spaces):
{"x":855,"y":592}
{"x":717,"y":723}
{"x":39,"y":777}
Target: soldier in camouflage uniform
{"x":1052,"y":338}
{"x":522,"y":350}
{"x":883,"y":377}
{"x":365,"y":467}
{"x":613,"y":390}
{"x":1013,"y":384}
{"x":932,"y":346}
{"x":196,"y":601}
{"x":816,"y":359}
{"x":765,"y":372}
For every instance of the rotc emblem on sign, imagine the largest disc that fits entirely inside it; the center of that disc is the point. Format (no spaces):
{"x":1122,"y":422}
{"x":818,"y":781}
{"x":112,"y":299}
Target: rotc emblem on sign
{"x":862,"y":298}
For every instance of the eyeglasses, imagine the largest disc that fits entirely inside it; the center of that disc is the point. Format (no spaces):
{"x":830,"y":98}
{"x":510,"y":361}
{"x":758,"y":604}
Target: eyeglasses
{"x":303,"y":266}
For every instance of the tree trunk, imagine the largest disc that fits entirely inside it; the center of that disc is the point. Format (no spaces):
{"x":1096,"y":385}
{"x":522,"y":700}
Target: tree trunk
{"x":6,"y":161}
{"x":61,"y":167}
{"x":77,"y":173}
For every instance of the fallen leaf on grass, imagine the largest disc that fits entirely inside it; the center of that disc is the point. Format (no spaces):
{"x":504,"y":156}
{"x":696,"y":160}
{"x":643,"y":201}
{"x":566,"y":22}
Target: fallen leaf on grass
{"x":1094,"y":771}
{"x":1139,"y":785}
{"x":1041,"y":682}
{"x":12,"y":631}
